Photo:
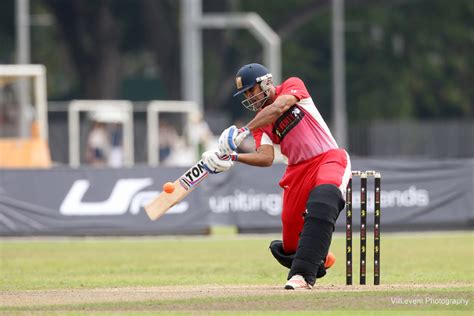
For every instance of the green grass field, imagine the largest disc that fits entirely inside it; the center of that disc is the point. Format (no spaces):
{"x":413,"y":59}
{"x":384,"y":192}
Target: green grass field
{"x":229,"y":274}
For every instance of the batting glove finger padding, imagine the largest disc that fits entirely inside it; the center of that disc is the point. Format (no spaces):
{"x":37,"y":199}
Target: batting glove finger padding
{"x":231,"y":138}
{"x":242,"y":133}
{"x":217,"y":163}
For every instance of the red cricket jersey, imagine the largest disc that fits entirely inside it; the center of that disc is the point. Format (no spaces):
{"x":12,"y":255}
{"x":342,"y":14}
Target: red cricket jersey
{"x":312,"y":153}
{"x":301,"y":131}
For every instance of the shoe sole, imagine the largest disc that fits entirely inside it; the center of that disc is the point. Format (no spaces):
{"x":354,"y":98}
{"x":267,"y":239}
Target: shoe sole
{"x":290,"y":287}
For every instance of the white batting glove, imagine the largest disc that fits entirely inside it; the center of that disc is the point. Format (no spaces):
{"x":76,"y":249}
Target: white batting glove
{"x":231,"y":138}
{"x":215,"y":162}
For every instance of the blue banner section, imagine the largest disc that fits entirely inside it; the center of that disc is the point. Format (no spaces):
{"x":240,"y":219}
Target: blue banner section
{"x":416,"y":195}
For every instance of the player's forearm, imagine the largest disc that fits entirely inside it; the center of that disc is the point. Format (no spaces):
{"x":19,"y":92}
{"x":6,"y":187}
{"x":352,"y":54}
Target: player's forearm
{"x":265,"y":117}
{"x":271,"y":113}
{"x":256,"y":159}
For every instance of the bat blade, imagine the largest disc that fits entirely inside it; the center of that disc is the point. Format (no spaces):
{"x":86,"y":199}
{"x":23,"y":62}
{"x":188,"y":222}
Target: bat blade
{"x":183,"y":186}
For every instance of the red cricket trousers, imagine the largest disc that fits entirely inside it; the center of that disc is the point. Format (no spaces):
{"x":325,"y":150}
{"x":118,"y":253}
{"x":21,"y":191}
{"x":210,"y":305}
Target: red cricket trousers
{"x":331,"y":167}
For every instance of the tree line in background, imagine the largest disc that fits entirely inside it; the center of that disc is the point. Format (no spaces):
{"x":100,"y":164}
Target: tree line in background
{"x":404,"y":58}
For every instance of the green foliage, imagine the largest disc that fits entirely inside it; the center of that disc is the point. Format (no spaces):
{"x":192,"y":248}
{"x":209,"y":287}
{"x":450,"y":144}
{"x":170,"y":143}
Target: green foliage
{"x":411,"y":60}
{"x":404,"y":59}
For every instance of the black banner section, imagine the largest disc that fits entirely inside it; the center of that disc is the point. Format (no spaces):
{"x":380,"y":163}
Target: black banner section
{"x":415,"y":195}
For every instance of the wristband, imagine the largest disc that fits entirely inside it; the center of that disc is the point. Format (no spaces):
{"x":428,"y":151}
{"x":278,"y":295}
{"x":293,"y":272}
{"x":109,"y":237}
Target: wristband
{"x":244,"y":129}
{"x":231,"y":157}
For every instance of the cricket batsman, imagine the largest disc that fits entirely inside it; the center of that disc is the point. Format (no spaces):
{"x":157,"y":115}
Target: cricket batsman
{"x":315,"y":180}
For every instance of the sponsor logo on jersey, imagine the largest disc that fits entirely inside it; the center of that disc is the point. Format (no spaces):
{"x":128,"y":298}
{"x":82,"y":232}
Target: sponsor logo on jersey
{"x":287,"y":121}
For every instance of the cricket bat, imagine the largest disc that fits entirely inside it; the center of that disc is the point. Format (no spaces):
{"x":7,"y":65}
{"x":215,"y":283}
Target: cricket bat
{"x":182,"y":187}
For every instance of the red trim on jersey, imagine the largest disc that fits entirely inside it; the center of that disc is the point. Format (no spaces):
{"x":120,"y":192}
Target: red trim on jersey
{"x":257,"y":136}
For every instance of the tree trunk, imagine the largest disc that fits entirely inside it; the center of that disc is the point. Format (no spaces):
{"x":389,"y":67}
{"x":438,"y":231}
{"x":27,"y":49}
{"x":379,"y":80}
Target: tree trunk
{"x":92,"y":36}
{"x":161,"y":21}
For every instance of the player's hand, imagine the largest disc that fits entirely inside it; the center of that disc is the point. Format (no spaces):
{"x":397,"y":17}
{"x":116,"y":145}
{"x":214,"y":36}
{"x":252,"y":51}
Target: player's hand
{"x":215,"y":162}
{"x":231,"y":138}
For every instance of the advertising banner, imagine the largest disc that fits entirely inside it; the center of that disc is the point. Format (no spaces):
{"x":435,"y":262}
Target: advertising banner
{"x":92,"y":201}
{"x":415,"y":195}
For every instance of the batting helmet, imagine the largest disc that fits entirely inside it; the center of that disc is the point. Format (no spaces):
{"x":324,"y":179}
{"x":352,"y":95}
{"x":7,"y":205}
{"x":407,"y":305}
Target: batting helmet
{"x":250,"y":75}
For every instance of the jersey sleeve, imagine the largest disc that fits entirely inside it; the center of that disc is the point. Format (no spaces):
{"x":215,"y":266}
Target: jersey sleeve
{"x":294,"y":86}
{"x":261,"y":138}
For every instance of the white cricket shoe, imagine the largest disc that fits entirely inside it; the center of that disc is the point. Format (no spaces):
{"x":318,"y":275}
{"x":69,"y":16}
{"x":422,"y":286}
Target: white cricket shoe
{"x":297,"y":282}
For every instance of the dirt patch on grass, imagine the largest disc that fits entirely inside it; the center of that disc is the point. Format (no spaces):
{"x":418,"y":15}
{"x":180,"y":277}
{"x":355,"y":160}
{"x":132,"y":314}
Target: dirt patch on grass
{"x":28,"y":298}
